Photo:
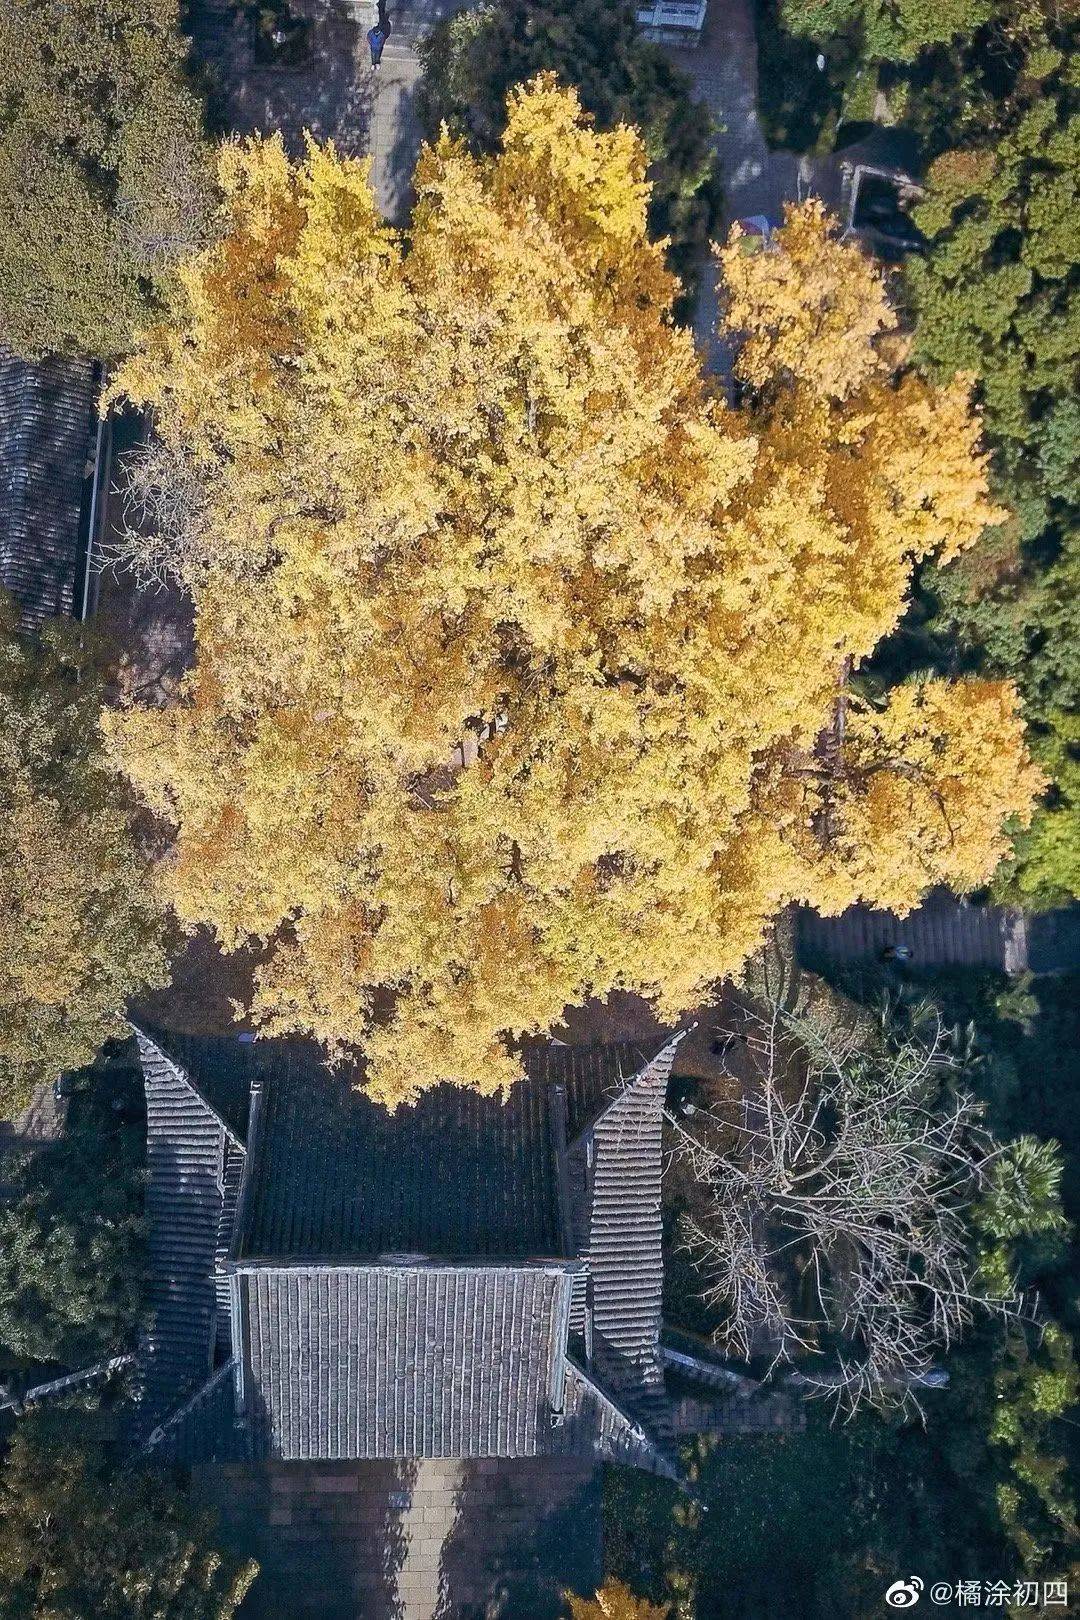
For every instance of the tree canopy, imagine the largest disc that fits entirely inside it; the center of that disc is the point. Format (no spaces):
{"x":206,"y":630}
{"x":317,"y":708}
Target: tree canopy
{"x":474,"y":59}
{"x":71,"y":1260}
{"x":83,"y":930}
{"x":891,"y":30}
{"x":996,"y":294}
{"x":520,"y":657}
{"x":104,"y":175}
{"x":84,"y":1535}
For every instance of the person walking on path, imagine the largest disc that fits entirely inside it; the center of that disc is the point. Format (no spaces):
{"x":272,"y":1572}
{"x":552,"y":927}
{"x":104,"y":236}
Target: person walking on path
{"x":379,"y":34}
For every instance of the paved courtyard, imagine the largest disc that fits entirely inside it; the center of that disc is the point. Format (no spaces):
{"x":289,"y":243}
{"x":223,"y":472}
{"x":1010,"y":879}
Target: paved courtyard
{"x":449,"y":1540}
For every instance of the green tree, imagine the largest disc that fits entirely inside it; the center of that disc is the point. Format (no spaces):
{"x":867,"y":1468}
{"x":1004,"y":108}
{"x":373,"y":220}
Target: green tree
{"x":997,"y":293}
{"x":82,"y":929}
{"x":1045,"y":869}
{"x":71,"y":1250}
{"x":890,"y":30}
{"x":473,"y":59}
{"x":85,"y":1536}
{"x":1007,"y":612}
{"x":104,"y":178}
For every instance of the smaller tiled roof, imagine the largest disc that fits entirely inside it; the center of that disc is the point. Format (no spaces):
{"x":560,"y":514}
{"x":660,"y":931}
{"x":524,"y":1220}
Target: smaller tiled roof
{"x":219,"y":1066}
{"x":457,"y":1175}
{"x":206,"y":1428}
{"x":48,"y":427}
{"x":382,"y":1361}
{"x":625,"y":1242}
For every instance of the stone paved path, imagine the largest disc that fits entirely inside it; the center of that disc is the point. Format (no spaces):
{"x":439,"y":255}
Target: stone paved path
{"x":331,"y":94}
{"x":723,"y":69}
{"x":395,"y":132}
{"x":946,"y":932}
{"x":336,"y":94}
{"x":435,"y":1540}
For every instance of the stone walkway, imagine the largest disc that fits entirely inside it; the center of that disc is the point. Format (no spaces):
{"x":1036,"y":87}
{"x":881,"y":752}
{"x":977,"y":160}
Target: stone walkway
{"x":723,"y":70}
{"x":437,"y":1540}
{"x":395,"y":132}
{"x":945,"y":932}
{"x":331,"y":95}
{"x":336,"y":94}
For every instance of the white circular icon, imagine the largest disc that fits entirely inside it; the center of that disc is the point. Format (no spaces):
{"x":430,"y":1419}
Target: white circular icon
{"x":904,"y":1594}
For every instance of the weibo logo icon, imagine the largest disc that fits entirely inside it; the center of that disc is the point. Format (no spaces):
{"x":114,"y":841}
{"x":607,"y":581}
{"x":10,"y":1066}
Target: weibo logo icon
{"x":904,"y":1594}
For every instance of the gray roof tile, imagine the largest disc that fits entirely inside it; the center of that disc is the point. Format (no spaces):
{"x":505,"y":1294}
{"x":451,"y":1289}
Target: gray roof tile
{"x":47,"y":431}
{"x":456,"y":1176}
{"x":626,"y":1234}
{"x":401,"y":1361}
{"x":185,"y":1158}
{"x":386,"y":1304}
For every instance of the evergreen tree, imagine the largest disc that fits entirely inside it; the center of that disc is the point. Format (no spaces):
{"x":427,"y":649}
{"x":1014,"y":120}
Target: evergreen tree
{"x":104,"y":178}
{"x":71,"y":1260}
{"x":82,"y":931}
{"x":998,"y":294}
{"x":87,"y":1535}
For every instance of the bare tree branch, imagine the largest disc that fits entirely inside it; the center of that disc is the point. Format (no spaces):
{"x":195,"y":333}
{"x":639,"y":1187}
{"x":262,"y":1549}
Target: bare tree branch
{"x":834,"y":1221}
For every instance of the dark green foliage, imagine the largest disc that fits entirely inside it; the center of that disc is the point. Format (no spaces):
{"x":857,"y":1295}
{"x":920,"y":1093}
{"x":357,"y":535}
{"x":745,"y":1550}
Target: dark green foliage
{"x":998,"y":294}
{"x":1006,"y":1440}
{"x":83,"y":931}
{"x":810,"y":1526}
{"x":87,"y":1538}
{"x":798,"y":103}
{"x":889,"y":30}
{"x":104,"y":177}
{"x":1006,"y":611}
{"x":473,"y":59}
{"x":71,"y":1233}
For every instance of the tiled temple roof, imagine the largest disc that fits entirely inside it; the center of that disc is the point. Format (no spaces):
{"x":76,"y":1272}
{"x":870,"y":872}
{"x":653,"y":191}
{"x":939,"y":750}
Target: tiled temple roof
{"x":404,"y":1284}
{"x":456,"y":1175}
{"x":403,"y":1361}
{"x":186,"y":1148}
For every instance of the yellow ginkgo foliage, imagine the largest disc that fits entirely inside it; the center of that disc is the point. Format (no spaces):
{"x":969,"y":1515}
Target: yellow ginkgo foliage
{"x":810,"y":307}
{"x":918,"y":792}
{"x":515,"y":646}
{"x":614,"y":1601}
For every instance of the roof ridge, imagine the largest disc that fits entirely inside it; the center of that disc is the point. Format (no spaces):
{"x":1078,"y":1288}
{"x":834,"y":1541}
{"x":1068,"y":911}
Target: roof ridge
{"x":638,"y":1429}
{"x":183,"y":1075}
{"x":657,"y":1068}
{"x":158,"y":1434}
{"x":310,"y":1265}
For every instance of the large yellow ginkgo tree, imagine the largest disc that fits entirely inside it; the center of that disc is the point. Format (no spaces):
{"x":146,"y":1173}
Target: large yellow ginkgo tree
{"x":521,"y":658}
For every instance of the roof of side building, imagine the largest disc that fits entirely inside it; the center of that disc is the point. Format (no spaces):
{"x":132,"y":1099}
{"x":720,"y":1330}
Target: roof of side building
{"x":47,"y":432}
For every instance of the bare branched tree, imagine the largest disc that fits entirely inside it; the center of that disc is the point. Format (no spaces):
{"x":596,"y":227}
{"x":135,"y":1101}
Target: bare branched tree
{"x":833,"y":1218}
{"x":164,"y":208}
{"x":166,"y":531}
